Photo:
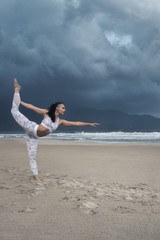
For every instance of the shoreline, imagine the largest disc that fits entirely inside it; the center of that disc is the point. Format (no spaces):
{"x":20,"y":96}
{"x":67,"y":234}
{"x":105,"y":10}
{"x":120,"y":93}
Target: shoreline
{"x":97,"y":137}
{"x":60,"y":141}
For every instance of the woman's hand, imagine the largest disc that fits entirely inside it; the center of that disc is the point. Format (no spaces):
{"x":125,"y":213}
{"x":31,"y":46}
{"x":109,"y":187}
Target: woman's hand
{"x":93,"y":124}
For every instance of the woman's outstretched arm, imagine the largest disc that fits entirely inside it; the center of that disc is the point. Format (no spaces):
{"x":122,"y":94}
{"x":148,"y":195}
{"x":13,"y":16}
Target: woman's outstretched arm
{"x":36,"y":109}
{"x":78,"y":124}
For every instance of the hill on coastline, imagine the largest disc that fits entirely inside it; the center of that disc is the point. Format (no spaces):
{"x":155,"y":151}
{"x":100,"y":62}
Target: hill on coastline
{"x":114,"y":120}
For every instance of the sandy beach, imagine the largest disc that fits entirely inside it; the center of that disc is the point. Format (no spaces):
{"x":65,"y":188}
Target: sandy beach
{"x":88,"y":191}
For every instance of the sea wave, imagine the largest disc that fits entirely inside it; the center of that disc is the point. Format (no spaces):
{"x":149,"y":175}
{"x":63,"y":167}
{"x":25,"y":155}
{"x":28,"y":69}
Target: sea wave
{"x":98,"y":136}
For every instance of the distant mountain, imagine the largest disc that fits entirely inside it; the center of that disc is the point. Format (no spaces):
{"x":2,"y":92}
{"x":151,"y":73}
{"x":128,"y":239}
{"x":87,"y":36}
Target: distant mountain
{"x":113,"y":120}
{"x":110,"y":120}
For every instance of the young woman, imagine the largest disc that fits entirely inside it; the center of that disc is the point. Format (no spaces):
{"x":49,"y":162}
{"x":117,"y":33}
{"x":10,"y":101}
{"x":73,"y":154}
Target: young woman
{"x":33,"y":131}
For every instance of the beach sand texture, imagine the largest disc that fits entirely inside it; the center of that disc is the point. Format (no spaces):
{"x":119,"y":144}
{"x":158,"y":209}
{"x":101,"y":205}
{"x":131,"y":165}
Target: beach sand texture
{"x":88,"y":191}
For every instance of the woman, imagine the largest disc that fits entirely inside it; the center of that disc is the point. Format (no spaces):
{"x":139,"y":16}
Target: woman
{"x":49,"y":123}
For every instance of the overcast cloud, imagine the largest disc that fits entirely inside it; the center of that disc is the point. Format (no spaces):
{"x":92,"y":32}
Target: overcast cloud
{"x":100,"y":53}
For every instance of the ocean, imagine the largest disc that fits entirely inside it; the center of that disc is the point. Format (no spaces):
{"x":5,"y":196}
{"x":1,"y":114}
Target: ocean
{"x":98,"y":137}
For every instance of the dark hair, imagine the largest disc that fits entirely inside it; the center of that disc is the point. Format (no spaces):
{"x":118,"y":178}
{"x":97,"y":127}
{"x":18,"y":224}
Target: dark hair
{"x":51,"y":110}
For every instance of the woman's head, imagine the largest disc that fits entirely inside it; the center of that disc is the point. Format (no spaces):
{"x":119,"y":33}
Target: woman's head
{"x":57,"y":107}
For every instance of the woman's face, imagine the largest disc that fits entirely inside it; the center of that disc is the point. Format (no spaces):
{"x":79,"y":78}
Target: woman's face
{"x":61,"y":109}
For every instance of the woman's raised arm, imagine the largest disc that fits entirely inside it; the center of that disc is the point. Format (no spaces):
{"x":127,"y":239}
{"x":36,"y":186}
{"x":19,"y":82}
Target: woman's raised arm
{"x":36,"y":109}
{"x":78,"y":124}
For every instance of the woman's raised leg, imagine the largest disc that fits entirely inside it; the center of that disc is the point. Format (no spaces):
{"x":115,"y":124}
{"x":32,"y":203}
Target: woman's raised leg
{"x":24,"y":122}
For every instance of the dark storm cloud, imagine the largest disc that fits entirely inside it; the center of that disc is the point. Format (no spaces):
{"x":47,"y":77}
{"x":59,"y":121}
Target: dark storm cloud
{"x":102,"y":54}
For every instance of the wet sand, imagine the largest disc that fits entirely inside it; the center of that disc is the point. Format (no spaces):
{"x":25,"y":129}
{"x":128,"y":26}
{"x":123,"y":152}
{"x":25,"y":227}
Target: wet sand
{"x":87,"y":191}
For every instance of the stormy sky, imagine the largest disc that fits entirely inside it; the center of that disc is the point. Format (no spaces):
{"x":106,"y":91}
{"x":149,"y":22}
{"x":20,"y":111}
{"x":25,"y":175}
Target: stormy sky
{"x":103,"y":54}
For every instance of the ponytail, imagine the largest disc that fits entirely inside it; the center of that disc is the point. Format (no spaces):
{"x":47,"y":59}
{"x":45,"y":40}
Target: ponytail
{"x":52,"y":109}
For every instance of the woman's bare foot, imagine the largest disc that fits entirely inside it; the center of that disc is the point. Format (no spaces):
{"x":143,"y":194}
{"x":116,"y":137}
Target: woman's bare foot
{"x":35,"y":177}
{"x":17,"y":87}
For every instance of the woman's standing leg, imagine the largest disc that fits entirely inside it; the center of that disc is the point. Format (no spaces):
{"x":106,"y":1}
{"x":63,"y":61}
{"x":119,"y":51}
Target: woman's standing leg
{"x":28,"y":126}
{"x":32,"y":144}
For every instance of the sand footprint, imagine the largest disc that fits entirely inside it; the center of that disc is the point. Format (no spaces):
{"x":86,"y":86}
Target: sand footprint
{"x":89,"y":207}
{"x":122,"y":209}
{"x":27,"y":210}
